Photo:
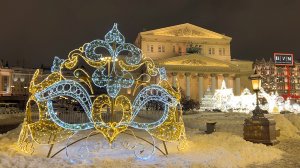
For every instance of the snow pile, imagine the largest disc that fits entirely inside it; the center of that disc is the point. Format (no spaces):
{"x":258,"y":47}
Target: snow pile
{"x":294,"y":119}
{"x":215,"y":150}
{"x":227,"y":150}
{"x":287,"y":129}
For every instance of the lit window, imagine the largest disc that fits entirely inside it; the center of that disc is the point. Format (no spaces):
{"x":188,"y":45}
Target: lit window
{"x":159,"y":48}
{"x":220,"y":51}
{"x":209,"y":51}
{"x":5,"y":83}
{"x":163,"y":48}
{"x":151,"y":48}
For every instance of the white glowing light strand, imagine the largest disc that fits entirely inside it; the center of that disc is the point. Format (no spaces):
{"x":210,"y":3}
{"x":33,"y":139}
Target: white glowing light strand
{"x":112,"y":81}
{"x":139,"y":153}
{"x":72,"y":89}
{"x":162,"y":74}
{"x":222,"y":97}
{"x":56,"y":64}
{"x":155,"y":93}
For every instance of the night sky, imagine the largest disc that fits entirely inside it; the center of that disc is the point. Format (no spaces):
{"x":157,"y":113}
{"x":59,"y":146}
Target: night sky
{"x":33,"y":32}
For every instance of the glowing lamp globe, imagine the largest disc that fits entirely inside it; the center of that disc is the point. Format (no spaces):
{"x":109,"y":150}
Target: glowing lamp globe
{"x":256,"y":81}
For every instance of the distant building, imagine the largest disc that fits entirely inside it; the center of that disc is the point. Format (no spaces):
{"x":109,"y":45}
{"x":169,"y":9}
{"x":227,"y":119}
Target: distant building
{"x":198,"y":58}
{"x":276,"y":77}
{"x":6,"y":81}
{"x":14,"y":84}
{"x":21,"y":78}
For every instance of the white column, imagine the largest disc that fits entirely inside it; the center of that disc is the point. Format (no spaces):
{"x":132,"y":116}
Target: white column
{"x":213,"y":82}
{"x":188,"y":85}
{"x":237,"y":85}
{"x":225,"y":76}
{"x":174,"y":76}
{"x":200,"y":86}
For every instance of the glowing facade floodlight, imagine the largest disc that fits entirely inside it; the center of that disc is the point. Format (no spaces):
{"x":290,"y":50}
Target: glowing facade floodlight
{"x":50,"y":129}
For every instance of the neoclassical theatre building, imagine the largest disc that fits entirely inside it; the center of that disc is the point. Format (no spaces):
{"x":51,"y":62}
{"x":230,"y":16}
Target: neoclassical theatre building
{"x":198,"y":58}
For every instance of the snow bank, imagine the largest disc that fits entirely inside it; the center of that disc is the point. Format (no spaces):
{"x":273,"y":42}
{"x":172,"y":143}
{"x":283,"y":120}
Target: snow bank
{"x":287,"y":129}
{"x":215,"y":150}
{"x":227,"y":150}
{"x":294,"y":119}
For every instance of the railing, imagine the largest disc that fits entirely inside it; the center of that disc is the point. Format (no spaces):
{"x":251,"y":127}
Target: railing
{"x":10,"y":110}
{"x":151,"y":115}
{"x":80,"y":116}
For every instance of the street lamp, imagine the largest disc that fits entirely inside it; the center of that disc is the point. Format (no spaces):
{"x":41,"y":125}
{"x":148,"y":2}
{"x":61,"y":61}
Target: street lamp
{"x":256,"y":85}
{"x":258,"y":128}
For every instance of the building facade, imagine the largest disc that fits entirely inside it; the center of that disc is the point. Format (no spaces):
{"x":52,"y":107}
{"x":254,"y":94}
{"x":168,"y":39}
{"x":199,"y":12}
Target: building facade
{"x":197,"y":58}
{"x":6,"y":81}
{"x":276,"y":77}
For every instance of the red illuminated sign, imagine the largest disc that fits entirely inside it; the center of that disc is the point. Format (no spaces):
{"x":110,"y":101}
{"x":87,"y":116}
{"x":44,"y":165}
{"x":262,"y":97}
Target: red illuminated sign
{"x":286,"y":59}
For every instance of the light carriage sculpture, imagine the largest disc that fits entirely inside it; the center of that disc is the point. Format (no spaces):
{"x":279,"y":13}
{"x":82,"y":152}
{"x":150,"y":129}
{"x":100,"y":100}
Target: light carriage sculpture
{"x":50,"y":129}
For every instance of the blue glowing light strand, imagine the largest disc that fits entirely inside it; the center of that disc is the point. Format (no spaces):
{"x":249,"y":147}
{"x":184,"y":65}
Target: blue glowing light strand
{"x":56,"y":66}
{"x":99,"y":77}
{"x":154,"y":93}
{"x":114,"y":35}
{"x":162,"y":74}
{"x":90,"y":48}
{"x":74,"y":127}
{"x":72,"y":89}
{"x":114,"y":83}
{"x":136,"y":56}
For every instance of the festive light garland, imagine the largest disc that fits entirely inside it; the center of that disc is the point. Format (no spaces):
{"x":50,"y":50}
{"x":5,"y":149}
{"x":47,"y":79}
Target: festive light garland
{"x":50,"y":129}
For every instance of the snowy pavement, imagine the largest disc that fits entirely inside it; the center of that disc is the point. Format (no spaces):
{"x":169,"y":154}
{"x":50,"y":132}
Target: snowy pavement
{"x":290,"y":157}
{"x":225,"y":148}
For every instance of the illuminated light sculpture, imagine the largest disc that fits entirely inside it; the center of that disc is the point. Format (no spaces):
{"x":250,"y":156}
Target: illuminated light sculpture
{"x":50,"y":129}
{"x":243,"y":103}
{"x":207,"y":102}
{"x":222,"y":96}
{"x":224,"y":100}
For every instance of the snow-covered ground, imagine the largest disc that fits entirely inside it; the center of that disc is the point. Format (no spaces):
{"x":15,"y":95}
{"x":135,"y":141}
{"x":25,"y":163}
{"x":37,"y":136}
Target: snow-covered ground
{"x":224,"y":148}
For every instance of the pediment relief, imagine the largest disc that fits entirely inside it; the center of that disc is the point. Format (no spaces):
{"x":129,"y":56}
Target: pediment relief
{"x":184,"y":30}
{"x":193,"y":62}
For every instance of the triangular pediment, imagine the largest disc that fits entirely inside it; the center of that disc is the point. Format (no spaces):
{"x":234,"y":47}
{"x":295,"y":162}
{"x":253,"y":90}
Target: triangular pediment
{"x":185,"y":30}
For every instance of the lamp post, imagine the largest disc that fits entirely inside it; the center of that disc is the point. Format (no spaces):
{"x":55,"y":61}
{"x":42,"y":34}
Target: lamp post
{"x":258,"y":128}
{"x":256,"y":85}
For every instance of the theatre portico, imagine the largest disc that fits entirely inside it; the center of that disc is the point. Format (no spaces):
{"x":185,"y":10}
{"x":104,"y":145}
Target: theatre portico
{"x":196,"y":58}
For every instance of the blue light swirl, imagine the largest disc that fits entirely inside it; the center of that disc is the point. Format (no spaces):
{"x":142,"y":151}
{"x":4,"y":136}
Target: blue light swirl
{"x":72,"y":89}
